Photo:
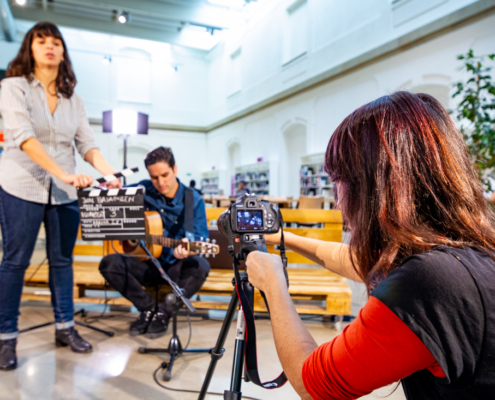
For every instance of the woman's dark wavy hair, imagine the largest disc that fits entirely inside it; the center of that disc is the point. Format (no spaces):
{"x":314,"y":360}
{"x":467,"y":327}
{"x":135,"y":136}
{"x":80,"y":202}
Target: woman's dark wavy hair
{"x":405,"y":184}
{"x":23,"y":63}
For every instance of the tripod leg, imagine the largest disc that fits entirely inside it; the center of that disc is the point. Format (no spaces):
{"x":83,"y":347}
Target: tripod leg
{"x":108,"y":333}
{"x":168,"y":373}
{"x":218,"y":350}
{"x":238,"y":364}
{"x":37,"y":326}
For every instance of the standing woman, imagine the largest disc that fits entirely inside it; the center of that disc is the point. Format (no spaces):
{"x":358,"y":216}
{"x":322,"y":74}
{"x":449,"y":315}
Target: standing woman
{"x":42,"y":118}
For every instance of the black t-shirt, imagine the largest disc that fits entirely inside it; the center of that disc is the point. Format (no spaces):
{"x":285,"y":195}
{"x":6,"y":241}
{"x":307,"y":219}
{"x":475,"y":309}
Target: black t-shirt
{"x":446,"y":296}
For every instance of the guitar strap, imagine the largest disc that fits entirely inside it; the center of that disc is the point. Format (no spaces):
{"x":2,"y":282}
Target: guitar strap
{"x":189,"y":213}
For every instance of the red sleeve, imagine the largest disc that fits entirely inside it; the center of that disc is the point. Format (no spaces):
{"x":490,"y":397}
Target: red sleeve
{"x":377,"y":349}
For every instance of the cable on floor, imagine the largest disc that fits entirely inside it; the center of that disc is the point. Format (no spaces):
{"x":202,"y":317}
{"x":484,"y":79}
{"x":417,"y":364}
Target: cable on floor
{"x":164,"y":366}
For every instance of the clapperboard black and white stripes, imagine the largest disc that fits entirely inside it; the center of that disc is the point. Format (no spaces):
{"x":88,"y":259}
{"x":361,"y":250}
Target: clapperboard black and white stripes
{"x":124,"y":173}
{"x":113,"y":214}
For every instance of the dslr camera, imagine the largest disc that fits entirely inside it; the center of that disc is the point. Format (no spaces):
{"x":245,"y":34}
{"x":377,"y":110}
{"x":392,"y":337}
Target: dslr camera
{"x":248,"y":219}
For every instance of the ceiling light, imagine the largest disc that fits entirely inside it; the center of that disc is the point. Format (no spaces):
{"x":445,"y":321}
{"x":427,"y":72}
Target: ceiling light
{"x":123,"y":17}
{"x":21,"y":2}
{"x":107,"y":59}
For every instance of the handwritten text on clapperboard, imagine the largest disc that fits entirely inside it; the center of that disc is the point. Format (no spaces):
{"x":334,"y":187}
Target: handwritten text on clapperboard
{"x":115,"y":214}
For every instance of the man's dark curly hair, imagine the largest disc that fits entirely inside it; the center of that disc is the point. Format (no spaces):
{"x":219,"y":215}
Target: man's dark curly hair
{"x":161,"y":154}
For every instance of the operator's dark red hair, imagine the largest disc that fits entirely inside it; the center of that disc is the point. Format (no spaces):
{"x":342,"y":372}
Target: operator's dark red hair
{"x":405,"y":184}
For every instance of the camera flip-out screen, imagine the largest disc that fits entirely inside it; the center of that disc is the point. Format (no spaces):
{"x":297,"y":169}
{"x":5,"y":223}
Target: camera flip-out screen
{"x":249,"y":220}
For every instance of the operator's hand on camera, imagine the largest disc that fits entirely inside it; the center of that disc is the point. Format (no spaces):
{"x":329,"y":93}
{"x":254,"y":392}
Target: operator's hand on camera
{"x":181,"y":252}
{"x":265,"y":270}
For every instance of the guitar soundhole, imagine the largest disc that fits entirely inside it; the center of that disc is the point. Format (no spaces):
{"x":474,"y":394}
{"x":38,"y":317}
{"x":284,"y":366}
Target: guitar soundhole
{"x":129,"y":245}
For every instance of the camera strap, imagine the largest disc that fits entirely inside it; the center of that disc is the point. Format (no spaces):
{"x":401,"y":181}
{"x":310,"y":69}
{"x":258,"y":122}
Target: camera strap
{"x":250,"y":350}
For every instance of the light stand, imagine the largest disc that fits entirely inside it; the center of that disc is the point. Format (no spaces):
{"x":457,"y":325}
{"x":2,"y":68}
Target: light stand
{"x":125,"y":156}
{"x":83,"y":313}
{"x":125,"y":123}
{"x":176,"y":300}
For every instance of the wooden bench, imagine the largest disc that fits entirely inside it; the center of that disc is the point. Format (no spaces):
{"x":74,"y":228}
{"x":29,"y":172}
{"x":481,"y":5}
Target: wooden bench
{"x":315,"y":290}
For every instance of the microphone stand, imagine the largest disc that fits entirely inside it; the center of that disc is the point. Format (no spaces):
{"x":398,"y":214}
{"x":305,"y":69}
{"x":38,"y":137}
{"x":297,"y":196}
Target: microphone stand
{"x":175,"y":288}
{"x":175,"y":299}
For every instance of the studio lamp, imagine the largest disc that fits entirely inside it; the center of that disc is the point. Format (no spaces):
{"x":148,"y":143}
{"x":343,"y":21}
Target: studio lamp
{"x":125,"y":123}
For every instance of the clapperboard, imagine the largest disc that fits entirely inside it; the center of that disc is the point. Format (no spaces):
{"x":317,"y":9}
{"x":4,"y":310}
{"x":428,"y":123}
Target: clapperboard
{"x":113,"y":214}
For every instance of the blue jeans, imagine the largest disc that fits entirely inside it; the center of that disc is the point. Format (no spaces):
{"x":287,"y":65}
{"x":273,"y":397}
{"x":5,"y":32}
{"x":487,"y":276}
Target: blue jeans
{"x":20,"y":221}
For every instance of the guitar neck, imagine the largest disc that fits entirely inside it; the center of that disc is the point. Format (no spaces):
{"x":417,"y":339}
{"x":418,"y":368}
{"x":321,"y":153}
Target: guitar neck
{"x":164,"y":241}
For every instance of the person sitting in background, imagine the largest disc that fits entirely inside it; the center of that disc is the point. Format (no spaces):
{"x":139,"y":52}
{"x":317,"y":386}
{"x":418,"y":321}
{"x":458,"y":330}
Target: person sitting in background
{"x":242,"y":188}
{"x":192,"y":185}
{"x":422,"y":239}
{"x":167,"y":195}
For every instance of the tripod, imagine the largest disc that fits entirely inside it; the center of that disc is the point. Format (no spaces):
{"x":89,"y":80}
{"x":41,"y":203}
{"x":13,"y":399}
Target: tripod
{"x":174,"y":347}
{"x":81,"y":312}
{"x":217,"y":352}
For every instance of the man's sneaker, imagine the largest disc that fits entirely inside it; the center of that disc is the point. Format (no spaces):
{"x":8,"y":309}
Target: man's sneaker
{"x":139,"y":326}
{"x":158,"y":326}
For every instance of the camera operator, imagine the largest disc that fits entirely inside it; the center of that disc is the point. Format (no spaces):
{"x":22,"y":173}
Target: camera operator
{"x":423,"y":242}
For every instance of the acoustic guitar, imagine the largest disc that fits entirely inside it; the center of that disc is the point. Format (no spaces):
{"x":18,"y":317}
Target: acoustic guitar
{"x":155,"y":241}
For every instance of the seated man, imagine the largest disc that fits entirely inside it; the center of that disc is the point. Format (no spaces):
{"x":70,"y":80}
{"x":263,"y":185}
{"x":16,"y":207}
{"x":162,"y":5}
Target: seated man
{"x":167,"y":195}
{"x":242,"y":189}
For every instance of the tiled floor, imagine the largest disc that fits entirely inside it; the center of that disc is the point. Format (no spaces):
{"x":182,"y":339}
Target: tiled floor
{"x":115,"y":369}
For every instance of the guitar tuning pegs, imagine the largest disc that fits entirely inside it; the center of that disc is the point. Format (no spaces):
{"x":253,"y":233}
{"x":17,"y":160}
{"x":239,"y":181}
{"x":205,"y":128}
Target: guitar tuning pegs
{"x":201,"y":239}
{"x":207,"y":240}
{"x":213,"y":255}
{"x":207,"y":255}
{"x":214,"y":241}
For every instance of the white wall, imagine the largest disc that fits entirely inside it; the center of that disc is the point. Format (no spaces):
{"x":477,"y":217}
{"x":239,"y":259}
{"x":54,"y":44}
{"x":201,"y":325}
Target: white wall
{"x":335,"y":32}
{"x":201,"y":92}
{"x":431,"y":66}
{"x":188,"y":149}
{"x":139,"y":77}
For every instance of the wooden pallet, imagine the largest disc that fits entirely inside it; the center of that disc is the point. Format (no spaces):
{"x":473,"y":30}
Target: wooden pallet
{"x":314,"y":290}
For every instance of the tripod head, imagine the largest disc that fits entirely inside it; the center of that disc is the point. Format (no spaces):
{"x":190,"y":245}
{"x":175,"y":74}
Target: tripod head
{"x":251,"y":243}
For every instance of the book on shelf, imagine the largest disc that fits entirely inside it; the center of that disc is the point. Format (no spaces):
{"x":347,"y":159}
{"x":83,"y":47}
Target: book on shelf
{"x":314,"y":180}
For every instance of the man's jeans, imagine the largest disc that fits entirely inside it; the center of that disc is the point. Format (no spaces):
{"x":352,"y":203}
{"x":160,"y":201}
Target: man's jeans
{"x":20,"y":221}
{"x":128,"y":275}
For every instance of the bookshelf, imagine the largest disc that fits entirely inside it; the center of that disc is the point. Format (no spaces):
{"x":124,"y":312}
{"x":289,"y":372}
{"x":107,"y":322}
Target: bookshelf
{"x":209,"y":182}
{"x":257,"y":177}
{"x":314,"y":180}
